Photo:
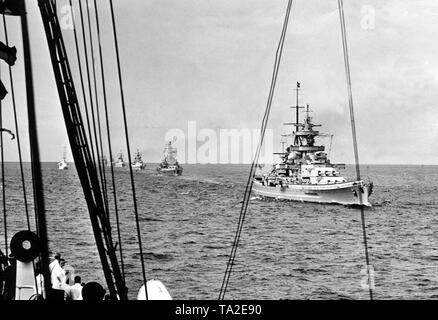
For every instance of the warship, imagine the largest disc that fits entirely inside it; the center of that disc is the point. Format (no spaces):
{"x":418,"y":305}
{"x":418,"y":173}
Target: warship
{"x":63,"y":165}
{"x":306,"y":174}
{"x":169,"y":165}
{"x":120,"y":163}
{"x":138,"y":163}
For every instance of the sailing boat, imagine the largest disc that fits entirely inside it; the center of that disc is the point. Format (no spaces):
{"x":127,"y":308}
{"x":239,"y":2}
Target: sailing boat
{"x":63,"y":165}
{"x":306,"y":174}
{"x":169,"y":165}
{"x":138,"y":163}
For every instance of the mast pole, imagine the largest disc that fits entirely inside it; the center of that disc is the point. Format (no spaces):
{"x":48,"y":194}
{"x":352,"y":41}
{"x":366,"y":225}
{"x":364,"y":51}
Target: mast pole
{"x":40,"y":211}
{"x":297,"y":107}
{"x":297,"y":139}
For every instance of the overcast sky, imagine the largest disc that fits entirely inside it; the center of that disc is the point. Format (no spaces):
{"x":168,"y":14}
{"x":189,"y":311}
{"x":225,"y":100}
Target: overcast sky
{"x":211,"y":61}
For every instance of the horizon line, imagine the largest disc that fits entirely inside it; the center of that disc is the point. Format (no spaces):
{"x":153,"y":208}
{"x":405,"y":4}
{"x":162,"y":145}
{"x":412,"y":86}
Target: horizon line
{"x":348,"y":164}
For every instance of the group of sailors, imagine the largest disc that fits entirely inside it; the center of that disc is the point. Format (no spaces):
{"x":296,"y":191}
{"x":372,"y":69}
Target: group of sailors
{"x":60,"y":280}
{"x":65,"y":286}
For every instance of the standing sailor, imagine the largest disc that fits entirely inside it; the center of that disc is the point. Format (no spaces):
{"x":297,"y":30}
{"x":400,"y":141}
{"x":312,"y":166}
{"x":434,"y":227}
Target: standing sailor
{"x":75,"y":292}
{"x":58,"y":278}
{"x":57,"y":274}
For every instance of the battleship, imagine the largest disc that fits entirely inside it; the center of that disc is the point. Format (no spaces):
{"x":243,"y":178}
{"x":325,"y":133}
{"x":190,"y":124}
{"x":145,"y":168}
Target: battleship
{"x":138,"y":163}
{"x":169,"y":165}
{"x":306,"y":174}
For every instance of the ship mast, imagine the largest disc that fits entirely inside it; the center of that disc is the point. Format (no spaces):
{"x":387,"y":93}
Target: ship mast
{"x":38,"y":186}
{"x":297,"y":107}
{"x":304,"y":139}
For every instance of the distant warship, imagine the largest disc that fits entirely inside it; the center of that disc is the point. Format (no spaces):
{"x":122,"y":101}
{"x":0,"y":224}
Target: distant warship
{"x":138,"y":163}
{"x":306,"y":174}
{"x":63,"y":165}
{"x":169,"y":165}
{"x":120,"y":163}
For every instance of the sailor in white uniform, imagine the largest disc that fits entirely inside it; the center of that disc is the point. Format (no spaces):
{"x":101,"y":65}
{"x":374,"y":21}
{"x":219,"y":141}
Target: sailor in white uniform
{"x":75,"y":292}
{"x":57,"y":274}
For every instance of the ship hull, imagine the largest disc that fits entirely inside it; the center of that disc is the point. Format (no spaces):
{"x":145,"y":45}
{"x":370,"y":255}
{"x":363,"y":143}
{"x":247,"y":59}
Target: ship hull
{"x":138,"y":166}
{"x":63,"y":166}
{"x":341,"y":193}
{"x":119,"y":165}
{"x":170,"y":172}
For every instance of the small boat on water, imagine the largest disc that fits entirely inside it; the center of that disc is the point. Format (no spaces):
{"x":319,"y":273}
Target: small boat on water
{"x":169,"y":165}
{"x":306,"y":174}
{"x":120,"y":163}
{"x":63,"y":164}
{"x":138,"y":163}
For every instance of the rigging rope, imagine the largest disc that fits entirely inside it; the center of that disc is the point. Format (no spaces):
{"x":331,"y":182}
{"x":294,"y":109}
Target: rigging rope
{"x":250,"y":181}
{"x":81,"y":76}
{"x":98,"y":134}
{"x":14,"y":107}
{"x":5,"y":224}
{"x":122,"y":96}
{"x":109,"y":139}
{"x":84,"y":38}
{"x":353,"y":128}
{"x":38,"y":192}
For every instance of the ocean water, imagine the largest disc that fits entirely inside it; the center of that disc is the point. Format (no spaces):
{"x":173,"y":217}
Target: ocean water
{"x":288,"y":250}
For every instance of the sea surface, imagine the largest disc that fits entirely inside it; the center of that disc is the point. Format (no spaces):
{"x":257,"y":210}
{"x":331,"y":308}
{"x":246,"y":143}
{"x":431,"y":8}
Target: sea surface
{"x":288,"y":250}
